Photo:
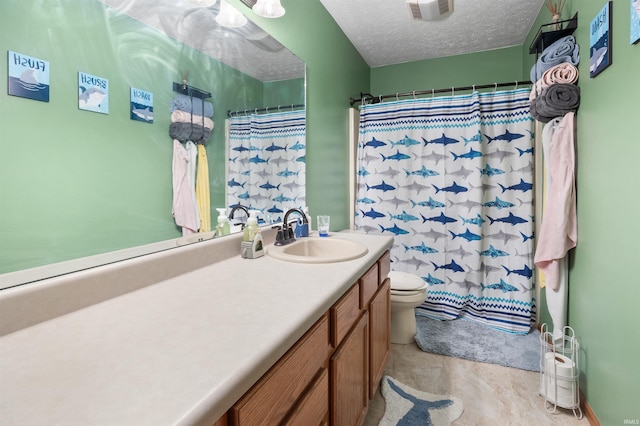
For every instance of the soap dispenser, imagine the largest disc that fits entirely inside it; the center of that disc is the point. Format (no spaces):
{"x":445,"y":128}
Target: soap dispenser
{"x":222,"y":228}
{"x":251,"y":246}
{"x":251,"y":228}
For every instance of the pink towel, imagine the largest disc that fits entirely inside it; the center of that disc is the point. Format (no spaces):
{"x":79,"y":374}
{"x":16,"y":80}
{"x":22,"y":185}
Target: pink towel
{"x":184,"y":208}
{"x":558,"y":231}
{"x":563,"y":73}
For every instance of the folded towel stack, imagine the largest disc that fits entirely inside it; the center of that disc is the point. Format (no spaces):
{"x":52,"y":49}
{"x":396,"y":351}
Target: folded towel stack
{"x":564,"y":73}
{"x":189,"y":132}
{"x":178,"y":116}
{"x":554,"y":92}
{"x":563,"y":50}
{"x":555,"y":101}
{"x":190,"y":119}
{"x":191,"y":105}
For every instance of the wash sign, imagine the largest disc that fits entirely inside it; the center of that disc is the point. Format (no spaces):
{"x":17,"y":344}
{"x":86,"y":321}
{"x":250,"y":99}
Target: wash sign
{"x":141,"y":105}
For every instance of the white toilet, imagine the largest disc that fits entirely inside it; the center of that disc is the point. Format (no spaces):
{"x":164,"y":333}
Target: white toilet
{"x":408,"y":291}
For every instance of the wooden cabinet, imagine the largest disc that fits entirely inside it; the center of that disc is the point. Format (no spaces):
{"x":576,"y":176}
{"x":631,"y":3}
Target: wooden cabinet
{"x":350,"y":376}
{"x":314,"y":406}
{"x":333,"y":371}
{"x":270,"y":400}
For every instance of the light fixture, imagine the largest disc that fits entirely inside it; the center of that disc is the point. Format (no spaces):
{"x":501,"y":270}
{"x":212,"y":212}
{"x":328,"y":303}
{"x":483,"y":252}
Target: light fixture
{"x":202,"y":3}
{"x":229,"y":16}
{"x":268,"y":8}
{"x":429,"y":10}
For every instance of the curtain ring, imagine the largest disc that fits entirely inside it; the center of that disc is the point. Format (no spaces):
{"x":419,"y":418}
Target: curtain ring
{"x":433,"y":93}
{"x":245,"y":112}
{"x":397,"y":97}
{"x":495,"y":87}
{"x":414,"y":95}
{"x":516,"y":85}
{"x":256,"y":111}
{"x":266,"y":110}
{"x":291,"y":107}
{"x":452,"y":91}
{"x":380,"y":98}
{"x":474,"y":87}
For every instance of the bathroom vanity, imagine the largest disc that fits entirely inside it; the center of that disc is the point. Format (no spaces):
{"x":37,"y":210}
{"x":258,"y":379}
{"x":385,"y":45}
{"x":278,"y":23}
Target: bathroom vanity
{"x":198,"y":336}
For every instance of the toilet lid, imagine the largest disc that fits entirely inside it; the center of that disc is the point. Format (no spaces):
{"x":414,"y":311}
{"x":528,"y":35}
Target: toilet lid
{"x":404,"y":281}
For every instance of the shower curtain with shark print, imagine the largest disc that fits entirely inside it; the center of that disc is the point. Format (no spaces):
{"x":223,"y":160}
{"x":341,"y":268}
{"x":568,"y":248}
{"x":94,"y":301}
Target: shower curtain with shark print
{"x":266,"y":163}
{"x":451,"y":178}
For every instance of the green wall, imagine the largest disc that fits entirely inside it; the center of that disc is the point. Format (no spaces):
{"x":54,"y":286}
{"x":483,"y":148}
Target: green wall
{"x":335,"y":71}
{"x":75,"y":183}
{"x":604,"y":286}
{"x":452,"y":71}
{"x":603,"y":281}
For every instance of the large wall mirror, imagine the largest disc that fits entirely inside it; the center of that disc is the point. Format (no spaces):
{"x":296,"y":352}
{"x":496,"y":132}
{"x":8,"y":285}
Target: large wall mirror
{"x":80,"y":188}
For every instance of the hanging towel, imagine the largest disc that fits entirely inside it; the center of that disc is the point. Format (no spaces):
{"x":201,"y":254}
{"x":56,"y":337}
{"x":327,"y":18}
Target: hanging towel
{"x":563,"y":73}
{"x":189,"y":132}
{"x":555,"y":101}
{"x":563,"y":50}
{"x":183,"y":209}
{"x":558,"y":231}
{"x":178,"y":116}
{"x":202,"y":190}
{"x":192,"y":158}
{"x":191,"y":105}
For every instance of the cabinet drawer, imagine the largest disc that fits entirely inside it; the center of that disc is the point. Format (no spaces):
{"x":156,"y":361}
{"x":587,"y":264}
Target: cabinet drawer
{"x":314,"y":407}
{"x":384,"y":264}
{"x":271,"y":399}
{"x":368,"y":286}
{"x":344,"y":314}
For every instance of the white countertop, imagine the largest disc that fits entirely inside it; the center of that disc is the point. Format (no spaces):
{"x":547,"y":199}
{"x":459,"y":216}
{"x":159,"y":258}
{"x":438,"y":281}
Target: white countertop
{"x":180,"y":351}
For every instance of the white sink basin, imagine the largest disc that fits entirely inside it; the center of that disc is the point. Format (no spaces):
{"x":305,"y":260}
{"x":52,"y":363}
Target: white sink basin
{"x":318,"y":250}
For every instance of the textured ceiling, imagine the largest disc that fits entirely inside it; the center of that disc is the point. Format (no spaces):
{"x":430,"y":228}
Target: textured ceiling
{"x":384,"y":32}
{"x":381,"y":30}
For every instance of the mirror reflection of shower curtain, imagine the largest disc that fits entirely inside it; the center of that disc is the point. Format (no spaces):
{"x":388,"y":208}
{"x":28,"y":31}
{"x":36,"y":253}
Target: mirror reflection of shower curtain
{"x":451,"y":178}
{"x":266,"y":164}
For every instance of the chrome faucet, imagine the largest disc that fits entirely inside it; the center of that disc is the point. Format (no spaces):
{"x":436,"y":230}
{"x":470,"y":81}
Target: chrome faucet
{"x":238,"y":207}
{"x":285,"y":234}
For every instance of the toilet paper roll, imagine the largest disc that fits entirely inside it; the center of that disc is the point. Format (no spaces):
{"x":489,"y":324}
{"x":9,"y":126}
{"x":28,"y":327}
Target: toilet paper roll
{"x":558,"y":365}
{"x":559,"y":383}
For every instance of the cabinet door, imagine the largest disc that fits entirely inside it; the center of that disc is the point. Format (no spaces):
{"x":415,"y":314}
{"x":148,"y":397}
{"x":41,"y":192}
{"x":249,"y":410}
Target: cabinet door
{"x":350,"y":376}
{"x":379,"y":334}
{"x":313,"y":409}
{"x":270,"y":400}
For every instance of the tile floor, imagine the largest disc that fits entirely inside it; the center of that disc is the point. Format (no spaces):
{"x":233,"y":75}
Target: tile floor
{"x":492,"y":395}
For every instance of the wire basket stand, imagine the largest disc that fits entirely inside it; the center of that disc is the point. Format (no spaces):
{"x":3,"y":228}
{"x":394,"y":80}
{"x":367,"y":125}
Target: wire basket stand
{"x":560,"y":371}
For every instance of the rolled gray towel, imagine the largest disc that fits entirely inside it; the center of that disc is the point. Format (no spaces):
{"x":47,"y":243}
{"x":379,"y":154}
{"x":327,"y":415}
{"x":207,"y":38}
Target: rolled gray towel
{"x":189,"y":132}
{"x":555,"y":101}
{"x":194,"y":106}
{"x":563,"y":50}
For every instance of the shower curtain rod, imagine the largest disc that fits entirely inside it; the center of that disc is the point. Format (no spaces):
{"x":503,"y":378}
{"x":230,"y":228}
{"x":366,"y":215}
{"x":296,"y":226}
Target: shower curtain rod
{"x":265,"y":110}
{"x":377,"y":99}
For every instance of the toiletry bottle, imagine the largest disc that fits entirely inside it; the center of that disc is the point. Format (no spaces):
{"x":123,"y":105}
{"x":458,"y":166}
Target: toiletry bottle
{"x":306,"y":213}
{"x":251,"y":229}
{"x":222,"y":228}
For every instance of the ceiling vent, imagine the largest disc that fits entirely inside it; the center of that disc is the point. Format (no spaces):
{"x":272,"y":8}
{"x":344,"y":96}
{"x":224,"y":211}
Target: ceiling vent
{"x":429,"y":10}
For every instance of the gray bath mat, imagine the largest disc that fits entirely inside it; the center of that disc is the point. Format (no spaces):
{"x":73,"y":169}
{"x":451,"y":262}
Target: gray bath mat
{"x":477,"y":342}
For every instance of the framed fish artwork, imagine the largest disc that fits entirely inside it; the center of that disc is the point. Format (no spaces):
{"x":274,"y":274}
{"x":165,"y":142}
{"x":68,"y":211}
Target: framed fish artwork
{"x":635,"y":21}
{"x":141,"y":105}
{"x":93,"y":93}
{"x":28,"y":77}
{"x":600,"y":42}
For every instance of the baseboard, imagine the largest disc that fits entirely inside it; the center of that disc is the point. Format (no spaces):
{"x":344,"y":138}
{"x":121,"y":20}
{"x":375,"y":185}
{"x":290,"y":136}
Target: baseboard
{"x":588,"y":412}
